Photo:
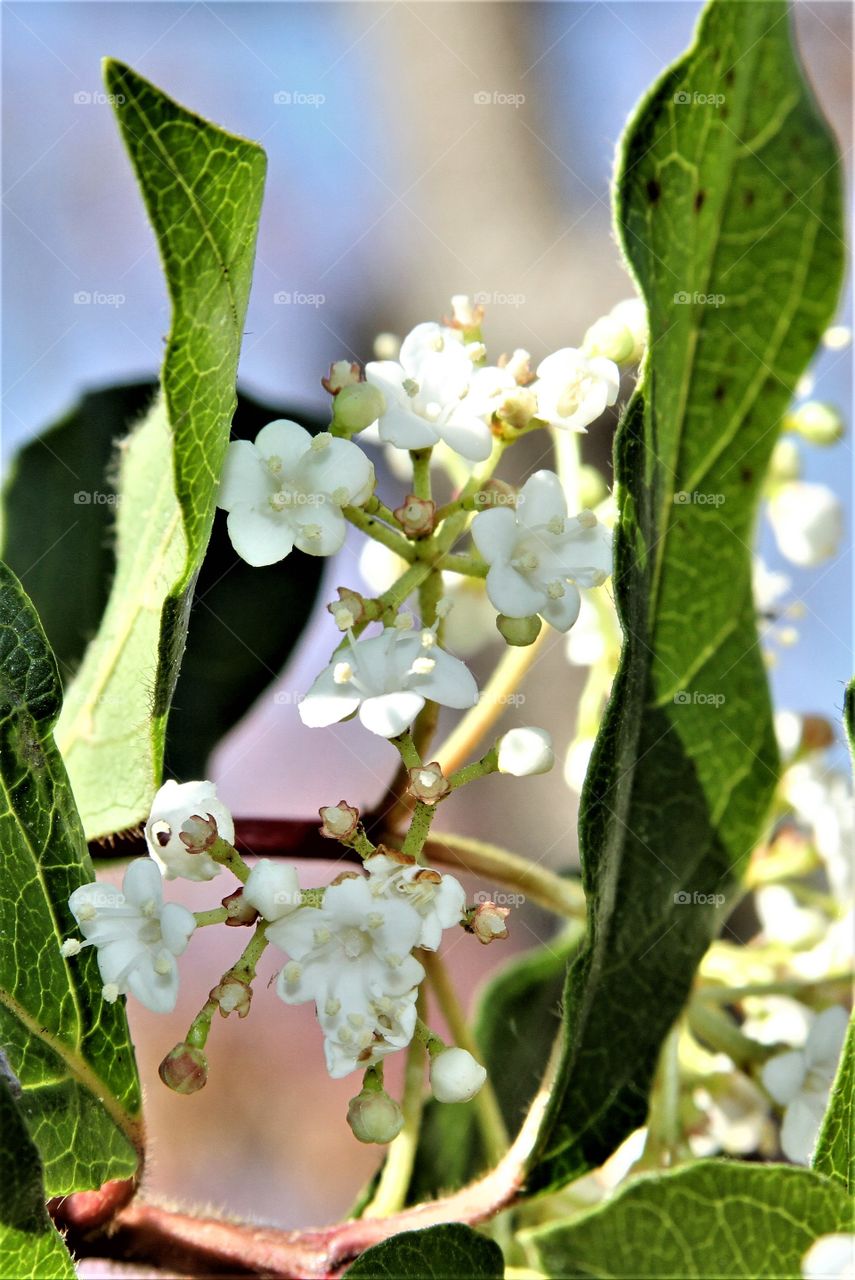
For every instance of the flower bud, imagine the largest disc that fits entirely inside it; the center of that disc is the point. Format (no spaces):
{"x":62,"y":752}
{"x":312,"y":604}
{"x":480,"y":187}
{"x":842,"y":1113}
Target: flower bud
{"x":455,"y":1076}
{"x":348,"y":609}
{"x":233,"y":995}
{"x":184,"y":1069}
{"x":487,"y":922}
{"x":523,"y":752}
{"x":387,"y":346}
{"x":339,"y":821}
{"x":273,"y":889}
{"x":428,"y":783}
{"x":518,"y":366}
{"x":807,"y":521}
{"x":464,"y":313}
{"x":356,"y":407}
{"x":374,"y":1116}
{"x":342,"y":374}
{"x":519,"y":631}
{"x":633,"y":313}
{"x":785,"y":463}
{"x":816,"y":422}
{"x":609,"y":337}
{"x":416,"y":516}
{"x":240,"y":911}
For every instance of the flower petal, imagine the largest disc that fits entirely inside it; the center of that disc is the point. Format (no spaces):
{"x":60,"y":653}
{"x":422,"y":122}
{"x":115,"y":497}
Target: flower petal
{"x":495,"y":533}
{"x":467,"y":435}
{"x":259,"y":539}
{"x":406,"y":430}
{"x":177,"y":925}
{"x":143,"y":882}
{"x":339,"y":465}
{"x":541,"y":500}
{"x":319,"y":529}
{"x":285,"y":440}
{"x":391,"y":713}
{"x":245,"y":477}
{"x":450,"y":683}
{"x":512,"y":594}
{"x":563,"y":612}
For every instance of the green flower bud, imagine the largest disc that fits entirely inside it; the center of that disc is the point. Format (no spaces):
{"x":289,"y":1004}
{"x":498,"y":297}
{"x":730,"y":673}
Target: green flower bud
{"x":519,"y":631}
{"x":611,"y":338}
{"x":184,"y":1069}
{"x":816,"y":422}
{"x":356,"y":407}
{"x":785,"y":463}
{"x":374,"y":1116}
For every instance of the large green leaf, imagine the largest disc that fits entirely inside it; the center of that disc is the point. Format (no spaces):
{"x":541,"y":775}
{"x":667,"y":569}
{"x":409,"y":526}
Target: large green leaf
{"x":714,"y":1218}
{"x":236,"y":643}
{"x":29,"y":1242}
{"x":202,"y":188}
{"x":69,"y":1051}
{"x":728,"y":206}
{"x":438,"y":1253}
{"x":835,"y":1148}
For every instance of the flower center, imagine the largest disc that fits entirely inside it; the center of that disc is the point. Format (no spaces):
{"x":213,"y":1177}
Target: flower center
{"x":354,"y":942}
{"x":573,"y":393}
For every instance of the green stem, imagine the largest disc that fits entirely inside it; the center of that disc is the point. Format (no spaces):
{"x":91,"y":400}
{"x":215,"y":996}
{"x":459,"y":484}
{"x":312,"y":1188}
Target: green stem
{"x":804,"y":989}
{"x":423,"y":815}
{"x":709,"y":1025}
{"x":463,"y":564}
{"x":488,"y":1111}
{"x":558,"y":894}
{"x":394,"y":1182}
{"x":477,"y":769}
{"x":374,"y":507}
{"x":244,"y":968}
{"x":227,"y":856}
{"x":421,"y":472}
{"x":217,"y":915}
{"x":380,"y":532}
{"x":200,"y":1027}
{"x":407,"y":748}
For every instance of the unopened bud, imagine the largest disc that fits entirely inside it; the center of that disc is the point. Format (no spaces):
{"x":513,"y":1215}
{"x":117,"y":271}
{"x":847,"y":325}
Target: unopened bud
{"x":816,"y":422}
{"x":611,"y":338}
{"x":785,"y":463}
{"x":387,"y":346}
{"x":342,"y":374}
{"x":455,"y":1076}
{"x":632,"y":312}
{"x":487,"y":922}
{"x":339,"y":821}
{"x":348,"y":609}
{"x":416,"y":516}
{"x":524,"y":752}
{"x":240,"y":911}
{"x":232,"y":995}
{"x":199,"y":834}
{"x":356,"y":407}
{"x":184,"y":1069}
{"x":428,"y":783}
{"x":519,"y":631}
{"x":374,"y":1116}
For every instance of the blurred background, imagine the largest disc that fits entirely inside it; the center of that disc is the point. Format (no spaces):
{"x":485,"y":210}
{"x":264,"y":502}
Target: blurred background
{"x":415,"y":151}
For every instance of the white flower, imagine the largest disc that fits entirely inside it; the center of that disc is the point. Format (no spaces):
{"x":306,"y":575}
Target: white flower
{"x":455,"y":1076}
{"x":525,"y":751}
{"x":440,"y":900}
{"x":830,"y":1257}
{"x":273,"y":889}
{"x":822,"y":800}
{"x":351,"y":957}
{"x":801,"y":1081}
{"x":807,"y":520}
{"x":287,"y":489}
{"x":784,"y":920}
{"x":387,"y":678}
{"x":426,"y":395}
{"x":174,"y":804}
{"x":576,"y":763}
{"x":137,"y":936}
{"x":537,"y":554}
{"x":573,"y":390}
{"x":633,"y":313}
{"x":769,"y":586}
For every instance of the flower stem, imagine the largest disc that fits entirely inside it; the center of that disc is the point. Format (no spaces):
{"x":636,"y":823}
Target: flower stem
{"x":558,"y":894}
{"x":215,"y":916}
{"x":804,"y":989}
{"x":227,"y":856}
{"x":463,"y":564}
{"x":478,"y":722}
{"x":391,"y":1193}
{"x":490,"y":1120}
{"x":423,"y":815}
{"x":373,"y":528}
{"x":477,"y":769}
{"x":421,"y":472}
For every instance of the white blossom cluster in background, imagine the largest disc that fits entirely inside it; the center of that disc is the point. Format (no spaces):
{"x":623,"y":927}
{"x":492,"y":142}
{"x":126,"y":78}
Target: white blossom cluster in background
{"x":460,"y":561}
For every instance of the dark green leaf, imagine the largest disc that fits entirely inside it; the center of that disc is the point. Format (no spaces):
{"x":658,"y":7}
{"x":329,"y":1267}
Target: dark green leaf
{"x":438,"y":1253}
{"x":236,"y":642}
{"x":202,"y":188}
{"x":29,"y":1242}
{"x":835,"y":1148}
{"x":715,"y":1218}
{"x":69,"y":1050}
{"x":728,"y":205}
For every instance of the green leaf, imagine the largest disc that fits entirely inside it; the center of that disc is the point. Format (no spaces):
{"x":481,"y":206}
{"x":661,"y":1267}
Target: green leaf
{"x":70,"y":1052}
{"x":29,"y":1242}
{"x":727,"y":195}
{"x":236,"y":643}
{"x":713,"y":1218}
{"x":438,"y":1253}
{"x":835,"y":1148}
{"x":202,"y":188}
